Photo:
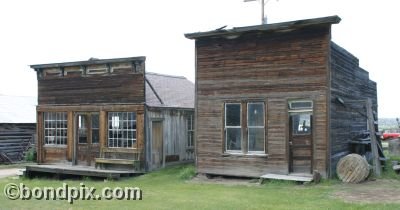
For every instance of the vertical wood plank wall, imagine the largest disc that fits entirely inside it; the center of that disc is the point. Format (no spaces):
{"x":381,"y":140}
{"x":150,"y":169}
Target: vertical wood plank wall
{"x":273,"y":68}
{"x":174,"y":122}
{"x":352,"y":84}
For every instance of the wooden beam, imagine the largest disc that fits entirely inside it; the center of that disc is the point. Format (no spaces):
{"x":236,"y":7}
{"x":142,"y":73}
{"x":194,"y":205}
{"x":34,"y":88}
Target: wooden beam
{"x":103,"y":129}
{"x":39,"y":130}
{"x":374,"y":144}
{"x":70,"y":134}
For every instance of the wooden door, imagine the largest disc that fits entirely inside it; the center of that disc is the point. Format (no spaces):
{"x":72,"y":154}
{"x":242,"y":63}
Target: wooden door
{"x":86,"y":138}
{"x":300,"y":142}
{"x":157,"y":145}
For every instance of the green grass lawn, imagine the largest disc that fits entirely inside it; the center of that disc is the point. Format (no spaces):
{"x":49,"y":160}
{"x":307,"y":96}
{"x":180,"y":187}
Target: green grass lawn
{"x":170,"y":189}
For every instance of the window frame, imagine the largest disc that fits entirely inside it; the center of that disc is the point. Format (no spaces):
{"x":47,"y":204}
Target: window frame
{"x":190,"y":130}
{"x":248,"y":127}
{"x":226,"y":129}
{"x":61,"y":117}
{"x":117,"y":130}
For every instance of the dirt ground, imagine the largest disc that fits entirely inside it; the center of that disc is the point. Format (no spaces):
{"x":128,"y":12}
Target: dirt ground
{"x":9,"y":172}
{"x":378,"y":191}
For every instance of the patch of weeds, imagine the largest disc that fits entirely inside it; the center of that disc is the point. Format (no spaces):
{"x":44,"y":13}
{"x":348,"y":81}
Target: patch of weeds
{"x":389,"y":173}
{"x":187,"y":172}
{"x":275,"y":182}
{"x":30,"y":155}
{"x":87,"y":178}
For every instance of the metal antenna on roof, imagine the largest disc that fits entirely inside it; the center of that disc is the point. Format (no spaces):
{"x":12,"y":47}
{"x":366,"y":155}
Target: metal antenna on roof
{"x":263,"y":3}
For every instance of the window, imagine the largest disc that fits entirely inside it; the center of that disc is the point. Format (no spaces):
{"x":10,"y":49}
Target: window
{"x":121,"y":129}
{"x":95,"y":128}
{"x":296,"y":105}
{"x":82,"y":129}
{"x":233,"y":128}
{"x":255,"y":125}
{"x":301,"y":124}
{"x":253,"y":129}
{"x":55,"y":128}
{"x":190,"y":129}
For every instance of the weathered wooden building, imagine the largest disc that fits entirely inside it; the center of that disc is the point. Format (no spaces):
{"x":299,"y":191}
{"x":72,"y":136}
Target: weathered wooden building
{"x":17,"y":127}
{"x":112,"y":113}
{"x":276,"y":99}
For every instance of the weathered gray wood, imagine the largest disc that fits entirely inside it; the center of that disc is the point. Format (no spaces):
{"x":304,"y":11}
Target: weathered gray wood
{"x":350,"y":84}
{"x":288,"y":177}
{"x":174,"y":134}
{"x":374,"y":144}
{"x":352,"y":169}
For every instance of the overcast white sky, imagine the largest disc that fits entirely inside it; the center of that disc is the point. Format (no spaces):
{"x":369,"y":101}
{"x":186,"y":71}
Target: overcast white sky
{"x":48,"y":31}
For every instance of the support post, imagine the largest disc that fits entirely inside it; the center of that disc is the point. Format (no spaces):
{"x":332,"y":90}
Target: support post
{"x":374,"y":143}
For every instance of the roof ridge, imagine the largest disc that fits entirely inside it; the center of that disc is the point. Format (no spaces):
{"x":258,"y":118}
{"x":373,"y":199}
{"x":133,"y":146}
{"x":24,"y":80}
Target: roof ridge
{"x":166,"y":75}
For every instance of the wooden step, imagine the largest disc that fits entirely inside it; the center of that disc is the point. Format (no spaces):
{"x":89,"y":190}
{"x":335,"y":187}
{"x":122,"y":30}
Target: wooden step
{"x":297,"y":178}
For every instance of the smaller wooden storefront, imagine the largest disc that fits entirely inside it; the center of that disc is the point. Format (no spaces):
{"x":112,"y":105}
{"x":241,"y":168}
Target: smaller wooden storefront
{"x":94,"y":112}
{"x":267,"y":99}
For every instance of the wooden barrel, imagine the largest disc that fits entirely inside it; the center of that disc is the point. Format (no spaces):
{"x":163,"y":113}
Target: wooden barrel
{"x":352,"y":168}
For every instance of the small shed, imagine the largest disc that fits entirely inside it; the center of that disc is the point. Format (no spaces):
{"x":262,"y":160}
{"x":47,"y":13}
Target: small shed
{"x":110,"y":112}
{"x":276,"y":98}
{"x":17,"y":126}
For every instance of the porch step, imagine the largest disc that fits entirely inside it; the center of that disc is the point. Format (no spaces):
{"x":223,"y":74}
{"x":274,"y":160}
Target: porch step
{"x":290,"y":177}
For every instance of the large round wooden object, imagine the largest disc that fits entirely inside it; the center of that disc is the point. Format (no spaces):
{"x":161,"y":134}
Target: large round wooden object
{"x":352,"y":168}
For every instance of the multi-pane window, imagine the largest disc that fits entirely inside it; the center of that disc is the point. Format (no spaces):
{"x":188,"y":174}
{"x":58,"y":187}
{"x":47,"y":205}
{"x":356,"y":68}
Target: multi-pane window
{"x":190,"y":129}
{"x":253,"y":129}
{"x":55,"y":128}
{"x":83,"y":126}
{"x":255,"y":125}
{"x":233,"y":128}
{"x":121,"y":129}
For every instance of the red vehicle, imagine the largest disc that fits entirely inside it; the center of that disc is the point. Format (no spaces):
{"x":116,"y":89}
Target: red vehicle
{"x":386,"y":136}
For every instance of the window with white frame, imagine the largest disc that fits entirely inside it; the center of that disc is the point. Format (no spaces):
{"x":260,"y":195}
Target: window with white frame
{"x":253,"y":129}
{"x":121,"y":129}
{"x":190,"y":131}
{"x":233,"y":128}
{"x":256,"y":127}
{"x":55,"y":128}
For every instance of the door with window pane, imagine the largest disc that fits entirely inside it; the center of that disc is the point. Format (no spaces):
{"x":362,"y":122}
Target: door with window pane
{"x":300,"y":142}
{"x":86,"y":138}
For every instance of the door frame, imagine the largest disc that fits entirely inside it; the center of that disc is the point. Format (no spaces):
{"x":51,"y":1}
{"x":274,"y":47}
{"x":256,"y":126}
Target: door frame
{"x":76,"y":143}
{"x":160,"y":120}
{"x":290,"y":112}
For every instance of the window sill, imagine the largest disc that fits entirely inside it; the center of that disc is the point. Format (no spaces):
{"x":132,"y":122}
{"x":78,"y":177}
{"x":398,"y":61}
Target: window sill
{"x":55,"y":146}
{"x":255,"y":155}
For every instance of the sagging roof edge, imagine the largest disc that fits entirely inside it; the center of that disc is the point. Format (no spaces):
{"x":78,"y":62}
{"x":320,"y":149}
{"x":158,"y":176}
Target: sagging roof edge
{"x":88,"y":62}
{"x":267,"y":27}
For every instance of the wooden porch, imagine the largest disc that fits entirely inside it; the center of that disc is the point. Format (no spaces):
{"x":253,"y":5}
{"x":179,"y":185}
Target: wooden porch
{"x":88,"y":171}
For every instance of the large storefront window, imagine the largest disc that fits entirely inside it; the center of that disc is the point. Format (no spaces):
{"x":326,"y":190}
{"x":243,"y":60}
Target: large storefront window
{"x":55,"y":128}
{"x":121,"y":129}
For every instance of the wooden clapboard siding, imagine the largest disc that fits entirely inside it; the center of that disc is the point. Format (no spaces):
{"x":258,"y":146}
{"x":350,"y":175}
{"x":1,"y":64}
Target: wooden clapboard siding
{"x":174,"y":134}
{"x":119,"y":89}
{"x":352,"y":85}
{"x":269,"y":67}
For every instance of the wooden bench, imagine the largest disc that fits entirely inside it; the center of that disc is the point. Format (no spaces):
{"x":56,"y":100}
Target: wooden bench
{"x":115,"y":161}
